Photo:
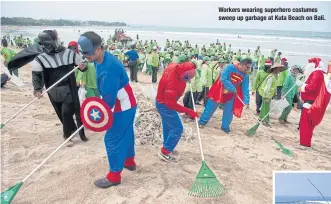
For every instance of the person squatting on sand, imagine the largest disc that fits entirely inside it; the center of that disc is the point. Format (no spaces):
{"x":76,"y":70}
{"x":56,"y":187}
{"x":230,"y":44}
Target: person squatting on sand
{"x":114,"y":88}
{"x":50,"y":66}
{"x":170,"y":89}
{"x":316,"y":93}
{"x":232,"y":83}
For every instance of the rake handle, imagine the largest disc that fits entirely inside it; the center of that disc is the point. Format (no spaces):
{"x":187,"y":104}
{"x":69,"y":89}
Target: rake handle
{"x":57,"y":149}
{"x":257,"y":120}
{"x":56,"y":83}
{"x":197,"y":124}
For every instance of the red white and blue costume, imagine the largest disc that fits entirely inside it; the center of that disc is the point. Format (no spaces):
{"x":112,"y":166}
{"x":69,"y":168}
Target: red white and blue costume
{"x":230,"y":83}
{"x":115,"y":90}
{"x":316,"y":94}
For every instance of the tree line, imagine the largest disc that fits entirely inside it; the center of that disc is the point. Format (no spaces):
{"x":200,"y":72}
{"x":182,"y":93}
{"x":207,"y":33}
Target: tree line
{"x":22,"y":21}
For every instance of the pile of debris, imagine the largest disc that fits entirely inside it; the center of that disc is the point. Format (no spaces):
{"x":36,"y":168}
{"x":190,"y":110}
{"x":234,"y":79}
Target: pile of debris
{"x":148,"y":126}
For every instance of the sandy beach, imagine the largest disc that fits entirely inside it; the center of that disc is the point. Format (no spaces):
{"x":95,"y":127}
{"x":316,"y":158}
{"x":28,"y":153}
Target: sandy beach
{"x":243,"y":164}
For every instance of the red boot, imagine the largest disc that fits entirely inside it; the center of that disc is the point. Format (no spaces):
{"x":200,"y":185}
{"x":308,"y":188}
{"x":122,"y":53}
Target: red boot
{"x":129,"y":164}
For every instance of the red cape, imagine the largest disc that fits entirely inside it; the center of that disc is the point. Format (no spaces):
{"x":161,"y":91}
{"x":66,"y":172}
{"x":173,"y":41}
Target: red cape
{"x":219,"y":94}
{"x":318,"y":108}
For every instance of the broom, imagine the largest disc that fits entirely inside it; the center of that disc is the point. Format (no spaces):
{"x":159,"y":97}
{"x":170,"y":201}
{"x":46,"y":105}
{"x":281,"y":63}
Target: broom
{"x":206,"y":184}
{"x":253,"y":129}
{"x":280,"y":146}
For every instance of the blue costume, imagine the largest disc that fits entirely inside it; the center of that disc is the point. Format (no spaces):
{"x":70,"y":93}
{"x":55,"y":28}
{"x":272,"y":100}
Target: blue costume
{"x":229,"y":82}
{"x":113,"y":85}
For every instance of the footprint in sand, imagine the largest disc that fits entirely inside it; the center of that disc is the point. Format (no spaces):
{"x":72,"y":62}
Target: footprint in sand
{"x":283,"y":164}
{"x":45,"y":117}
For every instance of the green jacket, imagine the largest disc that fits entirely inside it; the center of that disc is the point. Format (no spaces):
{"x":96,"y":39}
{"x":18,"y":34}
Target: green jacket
{"x":206,"y":75}
{"x":277,"y":59}
{"x":142,"y":58}
{"x":261,"y":62}
{"x":149,"y":59}
{"x":268,"y":88}
{"x":196,"y":82}
{"x":175,"y":59}
{"x":260,"y":78}
{"x":288,"y":84}
{"x":88,"y":78}
{"x":281,"y":78}
{"x":155,"y":60}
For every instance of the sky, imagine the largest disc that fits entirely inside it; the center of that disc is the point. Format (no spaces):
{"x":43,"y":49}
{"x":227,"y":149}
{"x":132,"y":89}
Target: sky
{"x":179,"y":14}
{"x":297,"y":184}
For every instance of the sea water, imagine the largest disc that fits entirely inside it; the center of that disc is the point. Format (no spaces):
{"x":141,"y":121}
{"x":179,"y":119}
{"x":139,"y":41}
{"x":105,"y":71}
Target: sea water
{"x":296,"y":46}
{"x":301,"y":200}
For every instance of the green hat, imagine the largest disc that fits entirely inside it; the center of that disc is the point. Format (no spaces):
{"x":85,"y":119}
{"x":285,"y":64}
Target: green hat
{"x":205,"y":58}
{"x":221,"y":61}
{"x":182,"y":58}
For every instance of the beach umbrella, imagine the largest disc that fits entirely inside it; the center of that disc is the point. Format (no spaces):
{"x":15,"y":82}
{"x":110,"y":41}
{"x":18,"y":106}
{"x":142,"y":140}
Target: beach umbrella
{"x":206,"y":184}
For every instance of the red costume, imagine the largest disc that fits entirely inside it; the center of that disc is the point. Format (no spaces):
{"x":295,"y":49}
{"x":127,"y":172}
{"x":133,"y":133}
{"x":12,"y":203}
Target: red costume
{"x":316,"y":94}
{"x":220,"y":95}
{"x":170,"y":89}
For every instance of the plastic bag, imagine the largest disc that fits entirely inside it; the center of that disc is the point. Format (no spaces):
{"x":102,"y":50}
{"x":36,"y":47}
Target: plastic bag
{"x":145,"y":67}
{"x":299,"y":83}
{"x":149,"y":92}
{"x":281,"y":105}
{"x":81,"y":94}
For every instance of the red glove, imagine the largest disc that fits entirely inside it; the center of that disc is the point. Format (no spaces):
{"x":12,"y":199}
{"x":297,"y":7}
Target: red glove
{"x":192,"y":113}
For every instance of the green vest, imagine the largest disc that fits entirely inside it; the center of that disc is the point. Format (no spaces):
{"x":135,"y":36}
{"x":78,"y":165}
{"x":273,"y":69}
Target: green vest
{"x":263,"y":88}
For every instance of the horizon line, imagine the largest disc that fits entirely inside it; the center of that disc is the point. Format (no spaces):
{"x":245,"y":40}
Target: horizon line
{"x":151,"y":25}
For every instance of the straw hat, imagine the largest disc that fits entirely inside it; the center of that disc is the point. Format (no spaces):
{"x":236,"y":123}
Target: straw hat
{"x":275,"y":66}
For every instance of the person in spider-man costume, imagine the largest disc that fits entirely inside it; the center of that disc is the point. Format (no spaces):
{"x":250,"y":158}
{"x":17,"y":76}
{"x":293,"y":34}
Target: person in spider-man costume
{"x":171,"y":88}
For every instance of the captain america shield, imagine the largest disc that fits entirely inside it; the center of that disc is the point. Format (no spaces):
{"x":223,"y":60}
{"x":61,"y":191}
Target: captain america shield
{"x":96,"y":114}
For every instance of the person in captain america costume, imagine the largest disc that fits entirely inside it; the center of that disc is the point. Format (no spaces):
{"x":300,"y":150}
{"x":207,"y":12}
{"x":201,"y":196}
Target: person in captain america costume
{"x":114,"y":88}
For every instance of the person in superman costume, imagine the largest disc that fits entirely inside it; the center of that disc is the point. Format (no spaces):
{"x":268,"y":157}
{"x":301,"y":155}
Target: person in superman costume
{"x":232,"y":83}
{"x":114,"y":88}
{"x":316,"y":94}
{"x":171,"y":88}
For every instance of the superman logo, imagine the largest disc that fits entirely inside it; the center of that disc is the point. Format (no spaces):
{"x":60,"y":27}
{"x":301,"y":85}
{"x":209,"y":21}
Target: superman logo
{"x":236,"y":78}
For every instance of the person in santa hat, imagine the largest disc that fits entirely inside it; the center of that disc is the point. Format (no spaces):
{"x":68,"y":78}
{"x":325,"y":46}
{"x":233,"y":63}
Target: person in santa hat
{"x":316,"y":94}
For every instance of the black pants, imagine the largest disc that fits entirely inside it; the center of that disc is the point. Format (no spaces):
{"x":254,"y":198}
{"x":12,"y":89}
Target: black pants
{"x":133,"y":66}
{"x":279,"y":92}
{"x":187,"y":100}
{"x":67,"y":111}
{"x":272,"y":60}
{"x":203,"y":95}
{"x":258,"y":101}
{"x":4,"y":79}
{"x":154,"y":74}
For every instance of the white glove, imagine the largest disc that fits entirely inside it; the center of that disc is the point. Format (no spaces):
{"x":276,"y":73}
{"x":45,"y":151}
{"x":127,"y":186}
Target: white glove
{"x":299,"y":83}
